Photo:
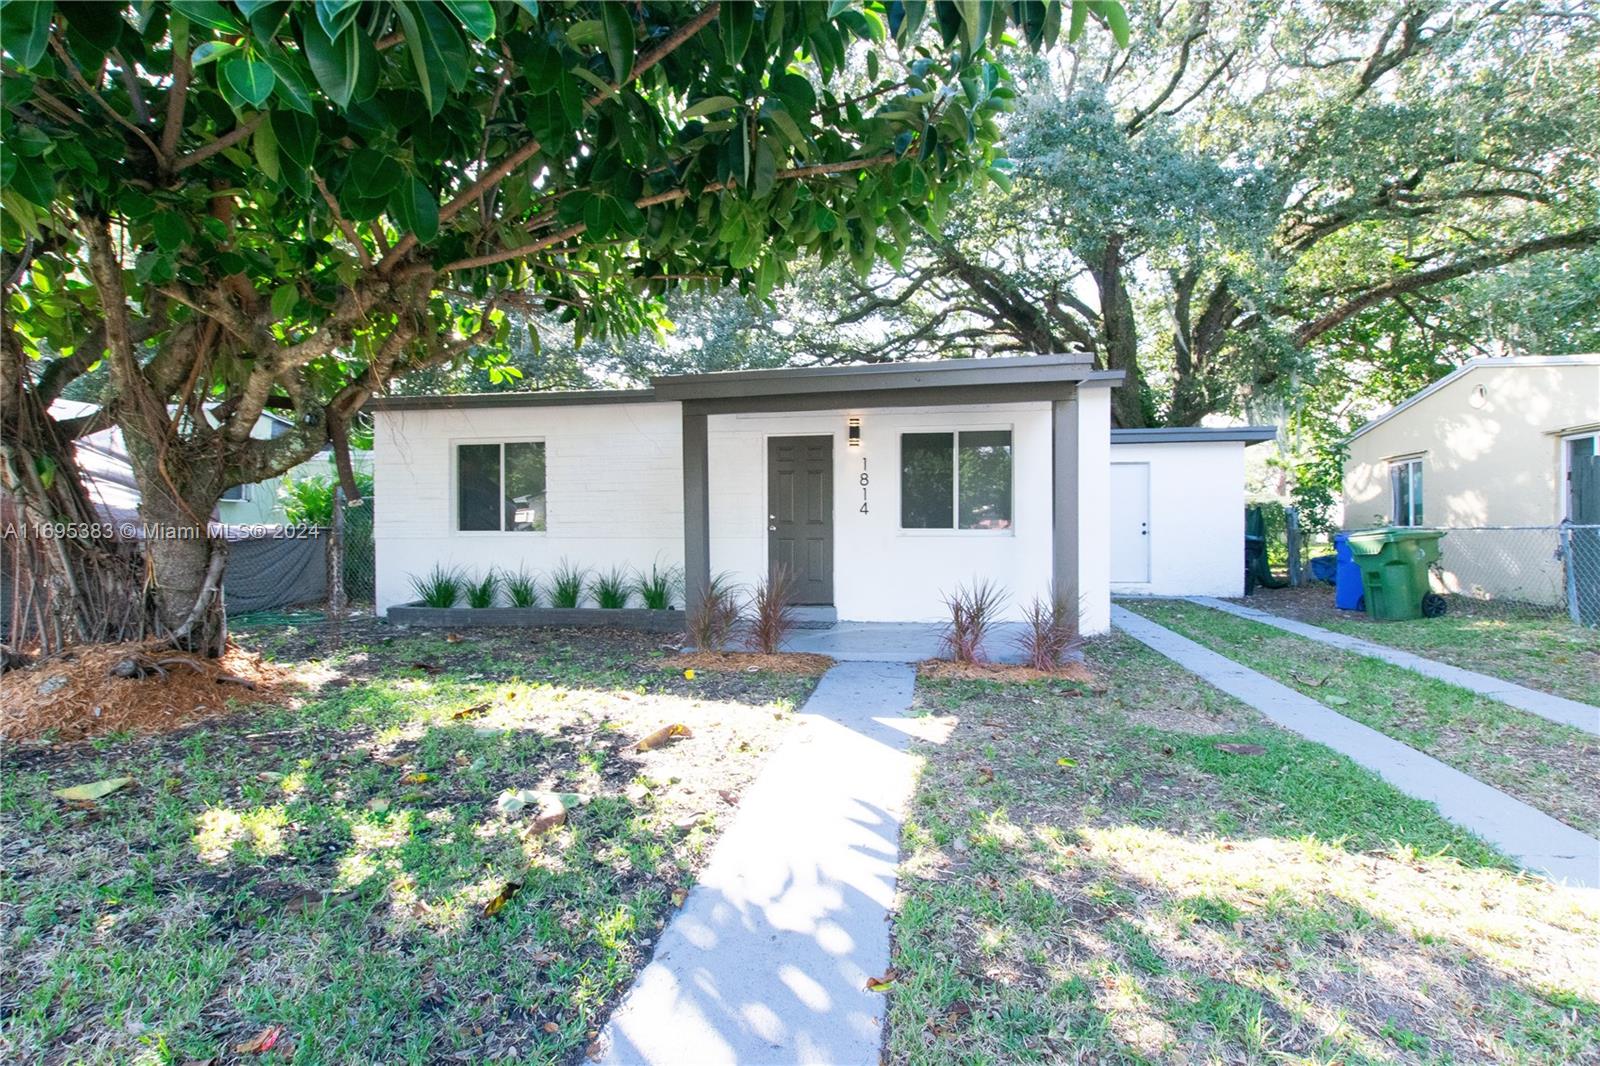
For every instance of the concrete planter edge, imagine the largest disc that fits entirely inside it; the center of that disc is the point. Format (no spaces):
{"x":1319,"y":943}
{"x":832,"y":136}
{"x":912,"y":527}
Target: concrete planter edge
{"x":531,"y":617}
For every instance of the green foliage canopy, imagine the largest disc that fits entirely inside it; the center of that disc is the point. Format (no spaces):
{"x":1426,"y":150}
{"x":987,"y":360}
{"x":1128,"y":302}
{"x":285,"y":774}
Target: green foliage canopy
{"x":280,"y":204}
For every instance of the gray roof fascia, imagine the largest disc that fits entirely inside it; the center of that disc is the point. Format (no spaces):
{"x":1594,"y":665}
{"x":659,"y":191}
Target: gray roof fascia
{"x":1194,"y":435}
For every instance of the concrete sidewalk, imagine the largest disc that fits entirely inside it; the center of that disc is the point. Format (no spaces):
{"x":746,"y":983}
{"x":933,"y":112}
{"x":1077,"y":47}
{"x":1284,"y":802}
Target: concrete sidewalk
{"x":1554,"y":708}
{"x":768,"y":960}
{"x":1533,"y":838}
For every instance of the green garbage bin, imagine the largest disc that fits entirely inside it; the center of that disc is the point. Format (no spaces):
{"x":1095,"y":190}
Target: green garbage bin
{"x":1394,"y":571}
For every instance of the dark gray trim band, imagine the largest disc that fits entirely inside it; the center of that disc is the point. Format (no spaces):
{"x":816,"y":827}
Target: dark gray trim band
{"x":1065,"y":455}
{"x":1194,"y":435}
{"x":696,"y":508}
{"x":554,"y":398}
{"x":899,"y":397}
{"x":883,"y":377}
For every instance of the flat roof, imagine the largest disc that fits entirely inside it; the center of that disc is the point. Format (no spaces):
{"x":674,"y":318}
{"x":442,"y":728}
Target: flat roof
{"x":547,"y":398}
{"x":1194,"y":434}
{"x":861,"y":377}
{"x":870,"y":379}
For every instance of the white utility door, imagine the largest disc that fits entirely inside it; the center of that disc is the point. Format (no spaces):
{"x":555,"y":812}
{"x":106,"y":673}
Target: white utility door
{"x":1130,"y":522}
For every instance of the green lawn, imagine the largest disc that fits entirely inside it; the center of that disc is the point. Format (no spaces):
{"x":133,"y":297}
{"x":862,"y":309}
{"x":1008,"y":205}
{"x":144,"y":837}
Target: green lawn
{"x":1542,"y":650}
{"x":1542,"y":763}
{"x":327,"y":868}
{"x":1089,"y":878}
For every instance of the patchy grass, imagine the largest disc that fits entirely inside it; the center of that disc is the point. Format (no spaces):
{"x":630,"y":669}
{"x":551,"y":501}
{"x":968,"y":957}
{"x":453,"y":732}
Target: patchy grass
{"x":327,"y":868}
{"x":1542,"y":763}
{"x":1088,"y":878}
{"x":1543,"y":651}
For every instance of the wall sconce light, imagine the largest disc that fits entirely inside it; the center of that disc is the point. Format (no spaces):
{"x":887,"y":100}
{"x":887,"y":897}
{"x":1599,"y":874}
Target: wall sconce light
{"x":855,"y":432}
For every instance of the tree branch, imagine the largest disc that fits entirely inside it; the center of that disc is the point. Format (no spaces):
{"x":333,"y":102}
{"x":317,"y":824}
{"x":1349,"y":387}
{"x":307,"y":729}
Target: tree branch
{"x":502,"y":169}
{"x":223,"y":143}
{"x":670,"y":196}
{"x":1579,"y":238}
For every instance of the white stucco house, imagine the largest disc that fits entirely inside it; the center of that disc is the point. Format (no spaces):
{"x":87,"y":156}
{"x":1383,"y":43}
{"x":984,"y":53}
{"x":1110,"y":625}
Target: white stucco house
{"x":1492,"y":452}
{"x":882,"y":486}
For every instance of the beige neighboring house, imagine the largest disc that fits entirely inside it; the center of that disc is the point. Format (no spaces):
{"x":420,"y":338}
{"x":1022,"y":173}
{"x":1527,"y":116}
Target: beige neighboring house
{"x":1488,"y":451}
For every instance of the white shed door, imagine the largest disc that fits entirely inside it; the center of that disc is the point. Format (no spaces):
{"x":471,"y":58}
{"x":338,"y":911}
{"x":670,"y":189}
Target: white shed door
{"x":1130,"y":522}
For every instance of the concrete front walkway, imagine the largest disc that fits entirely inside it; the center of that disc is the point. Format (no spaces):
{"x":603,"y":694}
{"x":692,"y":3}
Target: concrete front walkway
{"x":768,"y":960}
{"x":1530,"y":836}
{"x":1555,"y":708}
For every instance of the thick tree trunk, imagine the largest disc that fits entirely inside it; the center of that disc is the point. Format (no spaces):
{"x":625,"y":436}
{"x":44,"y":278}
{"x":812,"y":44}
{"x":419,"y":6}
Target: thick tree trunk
{"x":177,"y":494}
{"x":1120,"y":340}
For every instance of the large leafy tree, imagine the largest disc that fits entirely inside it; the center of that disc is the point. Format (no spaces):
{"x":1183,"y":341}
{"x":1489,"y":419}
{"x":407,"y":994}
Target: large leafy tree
{"x":1251,"y":188}
{"x":285,"y":205}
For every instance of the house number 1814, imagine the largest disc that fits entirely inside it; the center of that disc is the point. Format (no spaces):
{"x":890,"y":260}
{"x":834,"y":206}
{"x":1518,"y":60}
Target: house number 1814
{"x":864,"y":480}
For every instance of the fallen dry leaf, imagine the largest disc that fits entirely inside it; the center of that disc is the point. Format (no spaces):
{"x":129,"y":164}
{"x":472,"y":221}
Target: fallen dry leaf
{"x":679,"y":895}
{"x":1241,"y":749}
{"x":427,"y":668}
{"x":453,"y":638}
{"x":728,"y":796}
{"x":551,"y":1027}
{"x":985,"y":775}
{"x":471,"y":712}
{"x":665,"y":735}
{"x":416,"y":779}
{"x":496,"y":905}
{"x":880,"y":984}
{"x":93,"y":790}
{"x":265,"y":1040}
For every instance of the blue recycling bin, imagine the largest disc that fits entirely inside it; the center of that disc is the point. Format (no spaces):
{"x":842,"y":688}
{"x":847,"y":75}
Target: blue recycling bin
{"x":1347,"y":590}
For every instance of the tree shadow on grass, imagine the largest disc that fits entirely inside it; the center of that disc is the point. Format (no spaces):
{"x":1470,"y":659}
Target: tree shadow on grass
{"x":1147,"y":895}
{"x":327,"y":868}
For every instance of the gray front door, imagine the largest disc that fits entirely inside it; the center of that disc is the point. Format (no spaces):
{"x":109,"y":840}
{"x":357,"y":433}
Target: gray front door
{"x":800,"y":514}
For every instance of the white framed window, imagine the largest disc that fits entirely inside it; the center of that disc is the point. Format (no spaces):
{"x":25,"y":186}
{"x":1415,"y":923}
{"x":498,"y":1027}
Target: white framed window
{"x":1574,"y":449}
{"x":500,"y":487}
{"x":239,"y":494}
{"x":1405,"y":491}
{"x":956,"y":480}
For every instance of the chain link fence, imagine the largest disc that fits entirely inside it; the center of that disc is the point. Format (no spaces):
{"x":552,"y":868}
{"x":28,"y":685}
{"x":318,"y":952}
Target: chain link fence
{"x":352,"y":561}
{"x":1543,"y":570}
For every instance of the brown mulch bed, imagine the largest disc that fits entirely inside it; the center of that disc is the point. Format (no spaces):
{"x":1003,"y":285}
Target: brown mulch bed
{"x":950,"y":670}
{"x":789,"y":662}
{"x":75,"y":695}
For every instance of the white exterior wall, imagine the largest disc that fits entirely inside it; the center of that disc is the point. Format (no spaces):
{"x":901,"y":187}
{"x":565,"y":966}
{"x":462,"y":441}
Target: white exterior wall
{"x":613,"y":478}
{"x":614,"y":483}
{"x":882,"y":573}
{"x":1196,"y":518}
{"x":1094,"y":505}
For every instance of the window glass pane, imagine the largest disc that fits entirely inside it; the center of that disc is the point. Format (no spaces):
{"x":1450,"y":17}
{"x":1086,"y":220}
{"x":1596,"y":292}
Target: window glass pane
{"x":1397,"y":488}
{"x":927,"y":480}
{"x":525,"y":486}
{"x":478,"y":486}
{"x":1416,"y":493}
{"x":985,"y":480}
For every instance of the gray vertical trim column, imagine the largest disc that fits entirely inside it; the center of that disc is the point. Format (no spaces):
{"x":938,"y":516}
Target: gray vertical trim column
{"x":696,"y":507}
{"x":1064,"y":497}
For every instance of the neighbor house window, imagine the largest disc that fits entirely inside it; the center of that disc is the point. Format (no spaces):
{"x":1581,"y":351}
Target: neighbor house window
{"x":1405,"y":484}
{"x":500,"y":487}
{"x":956,"y":480}
{"x":238,"y":494}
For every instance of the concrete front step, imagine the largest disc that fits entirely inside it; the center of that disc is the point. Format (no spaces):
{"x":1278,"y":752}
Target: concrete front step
{"x":815,"y":617}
